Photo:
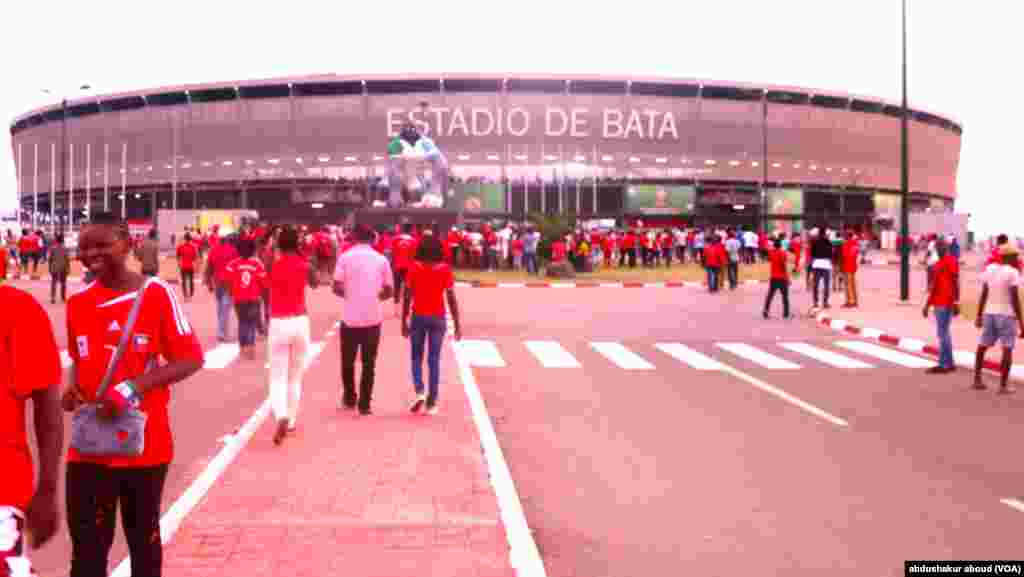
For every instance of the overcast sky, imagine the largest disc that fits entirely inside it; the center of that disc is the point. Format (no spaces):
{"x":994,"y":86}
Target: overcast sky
{"x":960,"y":55}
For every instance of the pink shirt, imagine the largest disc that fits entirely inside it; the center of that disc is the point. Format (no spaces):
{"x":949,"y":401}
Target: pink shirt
{"x":363,"y":272}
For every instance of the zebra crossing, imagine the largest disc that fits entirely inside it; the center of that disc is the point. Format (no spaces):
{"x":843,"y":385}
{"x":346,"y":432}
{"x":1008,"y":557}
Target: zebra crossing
{"x":780,"y":356}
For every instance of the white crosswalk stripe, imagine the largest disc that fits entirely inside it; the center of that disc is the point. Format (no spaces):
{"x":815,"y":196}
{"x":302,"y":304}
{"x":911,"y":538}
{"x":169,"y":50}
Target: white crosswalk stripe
{"x":552,"y":355}
{"x":685,"y":354}
{"x":757,"y":356}
{"x":621,"y":356}
{"x":828,"y":357}
{"x":877,"y":351}
{"x":480,"y":353}
{"x":220,"y":356}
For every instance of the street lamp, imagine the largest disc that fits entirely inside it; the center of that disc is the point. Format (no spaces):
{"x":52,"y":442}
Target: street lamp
{"x":904,"y":179}
{"x":63,"y":144}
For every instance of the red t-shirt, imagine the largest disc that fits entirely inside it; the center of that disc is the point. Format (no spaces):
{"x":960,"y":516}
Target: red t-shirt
{"x":29,"y":362}
{"x":288,"y":279}
{"x":944,"y":282}
{"x":94,"y":320}
{"x":428,"y":283}
{"x":219,"y":259}
{"x":850,"y":253}
{"x":383,"y":244}
{"x":517,"y":246}
{"x":403,"y":249}
{"x":557,"y":251}
{"x":713,"y":256}
{"x":3,"y":262}
{"x":28,"y":244}
{"x":629,"y":241}
{"x":246,"y":278}
{"x":187,"y":254}
{"x":777,"y":262}
{"x":666,"y":240}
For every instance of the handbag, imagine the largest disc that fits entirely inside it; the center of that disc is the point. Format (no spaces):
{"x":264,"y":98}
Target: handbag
{"x":125,"y":434}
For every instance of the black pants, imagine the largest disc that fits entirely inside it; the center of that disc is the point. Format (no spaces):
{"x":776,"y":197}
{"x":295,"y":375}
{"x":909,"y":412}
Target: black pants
{"x":822,"y":276}
{"x":248,"y":313}
{"x":265,"y":322}
{"x":93,"y":495}
{"x":62,"y":280}
{"x":188,"y":283}
{"x":781,"y":286}
{"x":354,"y":339}
{"x":399,"y":280}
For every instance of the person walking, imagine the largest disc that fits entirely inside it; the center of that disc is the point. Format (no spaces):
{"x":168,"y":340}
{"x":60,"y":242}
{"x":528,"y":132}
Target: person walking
{"x":148,"y":254}
{"x":403,"y":248}
{"x":215,"y":279}
{"x":60,"y":267}
{"x":944,"y":296}
{"x":713,"y":263}
{"x":247,"y":278}
{"x":733,"y":248}
{"x":999,"y":315}
{"x":778,"y":280}
{"x":98,"y":484}
{"x":430,"y":282}
{"x":363,"y":279}
{"x":289,"y":331}
{"x":30,"y":365}
{"x":187,"y":253}
{"x":848,"y":262}
{"x":267,"y":257}
{"x":821,"y":265}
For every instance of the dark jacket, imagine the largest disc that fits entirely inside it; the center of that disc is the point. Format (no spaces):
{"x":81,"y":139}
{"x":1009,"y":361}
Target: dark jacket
{"x":821,"y":248}
{"x":60,"y":264}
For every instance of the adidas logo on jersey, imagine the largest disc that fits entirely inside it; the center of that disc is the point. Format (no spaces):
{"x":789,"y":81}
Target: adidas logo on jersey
{"x":114,"y":326}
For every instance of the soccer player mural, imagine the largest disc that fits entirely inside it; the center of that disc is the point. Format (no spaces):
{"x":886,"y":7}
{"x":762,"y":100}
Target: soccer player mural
{"x":408,"y":153}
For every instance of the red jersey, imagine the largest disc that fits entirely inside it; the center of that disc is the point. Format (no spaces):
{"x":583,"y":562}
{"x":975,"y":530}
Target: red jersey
{"x":94,"y":320}
{"x":219,"y":259}
{"x":246,"y":279}
{"x":517,"y":246}
{"x":3,"y":262}
{"x":850,"y":253}
{"x":453,"y":238}
{"x":629,"y":241}
{"x":403,"y":249}
{"x":288,"y":280}
{"x":187,"y":254}
{"x":428,"y":283}
{"x":777,"y":264}
{"x":557,"y":251}
{"x":29,"y":362}
{"x":383,"y":244}
{"x":28,"y":244}
{"x":666,"y":240}
{"x":944,"y":282}
{"x":713,"y":256}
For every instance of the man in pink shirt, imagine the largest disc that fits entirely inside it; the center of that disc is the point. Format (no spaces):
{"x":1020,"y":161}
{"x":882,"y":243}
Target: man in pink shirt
{"x":363,"y":278}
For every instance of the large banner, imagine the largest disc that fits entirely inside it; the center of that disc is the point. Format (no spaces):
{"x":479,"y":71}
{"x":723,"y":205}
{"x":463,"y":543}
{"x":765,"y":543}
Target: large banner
{"x":660,"y":199}
{"x":785,"y":201}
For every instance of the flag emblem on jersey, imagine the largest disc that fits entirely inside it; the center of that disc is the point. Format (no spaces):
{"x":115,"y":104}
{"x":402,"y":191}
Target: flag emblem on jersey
{"x":142,"y":343}
{"x":83,"y":346}
{"x":114,"y":326}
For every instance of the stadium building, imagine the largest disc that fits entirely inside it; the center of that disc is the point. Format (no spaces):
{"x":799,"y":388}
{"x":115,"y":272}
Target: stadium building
{"x":314,"y":149}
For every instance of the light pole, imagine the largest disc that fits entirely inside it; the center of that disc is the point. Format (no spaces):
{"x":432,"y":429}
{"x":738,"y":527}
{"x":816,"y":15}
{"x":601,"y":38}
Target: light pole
{"x":63,"y":151}
{"x":904,"y":179}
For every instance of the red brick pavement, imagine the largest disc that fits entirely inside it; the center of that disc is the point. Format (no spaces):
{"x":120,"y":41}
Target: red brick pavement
{"x":392,"y":494}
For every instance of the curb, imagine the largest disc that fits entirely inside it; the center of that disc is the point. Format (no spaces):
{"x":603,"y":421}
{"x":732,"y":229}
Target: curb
{"x":592,"y":284}
{"x":963,"y":359}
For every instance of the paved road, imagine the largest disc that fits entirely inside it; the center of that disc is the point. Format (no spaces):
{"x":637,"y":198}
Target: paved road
{"x":662,"y":468}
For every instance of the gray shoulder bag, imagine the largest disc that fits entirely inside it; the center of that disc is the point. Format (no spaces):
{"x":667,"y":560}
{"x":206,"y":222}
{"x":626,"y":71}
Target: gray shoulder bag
{"x":125,"y":434}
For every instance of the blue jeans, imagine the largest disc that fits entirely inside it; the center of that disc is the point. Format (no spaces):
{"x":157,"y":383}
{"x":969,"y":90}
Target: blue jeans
{"x":224,"y":305}
{"x":430,"y":329}
{"x":713,"y":278}
{"x":248,"y":321}
{"x":530,"y":260}
{"x":733,"y":270}
{"x":943,"y":318}
{"x":822,"y":276}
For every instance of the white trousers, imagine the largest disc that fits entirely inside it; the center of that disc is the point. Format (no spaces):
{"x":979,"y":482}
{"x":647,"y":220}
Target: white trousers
{"x":287,"y":344}
{"x":12,"y":538}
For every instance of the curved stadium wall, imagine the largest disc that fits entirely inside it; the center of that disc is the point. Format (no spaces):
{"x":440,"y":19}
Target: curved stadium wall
{"x":607,"y":147}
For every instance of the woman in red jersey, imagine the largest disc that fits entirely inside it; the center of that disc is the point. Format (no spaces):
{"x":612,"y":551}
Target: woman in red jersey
{"x":289,"y":331}
{"x":97,"y":485}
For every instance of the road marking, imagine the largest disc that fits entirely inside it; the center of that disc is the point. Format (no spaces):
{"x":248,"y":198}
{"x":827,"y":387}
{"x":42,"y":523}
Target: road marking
{"x":914,"y":345}
{"x":779,"y":393}
{"x":552,"y":355}
{"x":654,"y":285}
{"x":523,"y":553}
{"x":885,"y":354}
{"x":172,"y":519}
{"x":621,"y":356}
{"x":512,"y":285}
{"x":480,"y":353}
{"x":838,"y":324}
{"x":871,"y":333}
{"x":220,"y":356}
{"x":827,"y":357}
{"x":757,"y":356}
{"x":1013,"y":504}
{"x":685,"y":354}
{"x":562,"y":285}
{"x":610,"y":284}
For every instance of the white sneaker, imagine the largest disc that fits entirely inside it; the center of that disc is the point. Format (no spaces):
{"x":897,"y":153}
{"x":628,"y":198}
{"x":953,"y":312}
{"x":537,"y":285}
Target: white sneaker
{"x":433,"y":410}
{"x":417,"y":403}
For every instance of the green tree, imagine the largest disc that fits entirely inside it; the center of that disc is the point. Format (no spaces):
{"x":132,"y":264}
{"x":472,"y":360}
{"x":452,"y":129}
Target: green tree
{"x":550,"y":227}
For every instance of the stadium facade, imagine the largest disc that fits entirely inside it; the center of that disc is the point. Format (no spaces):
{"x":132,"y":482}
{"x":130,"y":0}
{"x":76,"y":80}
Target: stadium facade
{"x":313,"y":148}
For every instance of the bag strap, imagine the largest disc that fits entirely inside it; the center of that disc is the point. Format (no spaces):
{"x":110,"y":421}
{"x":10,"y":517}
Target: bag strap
{"x":126,"y":333}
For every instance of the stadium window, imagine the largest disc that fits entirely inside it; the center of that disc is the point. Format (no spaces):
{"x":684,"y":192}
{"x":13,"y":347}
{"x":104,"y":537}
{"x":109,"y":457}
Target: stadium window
{"x":213,"y":95}
{"x":597,"y":87}
{"x":455,"y":85}
{"x":265,"y":91}
{"x":833,"y":102}
{"x":402,"y":86}
{"x":85,"y":109}
{"x":893,"y":110}
{"x":866,"y":106}
{"x":664,"y":89}
{"x":34,"y":120}
{"x":542,"y":86}
{"x":167,"y":99}
{"x":54,"y":115}
{"x":348,"y":88}
{"x":783,"y":97}
{"x":730,"y":93}
{"x":119,"y":104}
